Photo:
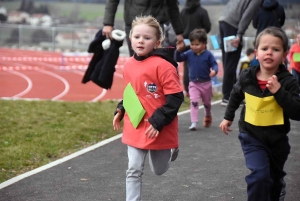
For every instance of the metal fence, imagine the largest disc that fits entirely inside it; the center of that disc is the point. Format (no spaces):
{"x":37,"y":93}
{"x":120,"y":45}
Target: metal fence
{"x":62,"y":38}
{"x":46,"y":38}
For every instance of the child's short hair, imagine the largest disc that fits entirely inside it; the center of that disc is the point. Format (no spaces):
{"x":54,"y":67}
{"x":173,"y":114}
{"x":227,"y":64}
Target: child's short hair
{"x":277,"y":32}
{"x":198,"y":34}
{"x":150,"y":21}
{"x":249,"y":51}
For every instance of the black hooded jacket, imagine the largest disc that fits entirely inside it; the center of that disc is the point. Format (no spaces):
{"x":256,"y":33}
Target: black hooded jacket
{"x":287,"y":97}
{"x":194,"y":16}
{"x":271,"y":13}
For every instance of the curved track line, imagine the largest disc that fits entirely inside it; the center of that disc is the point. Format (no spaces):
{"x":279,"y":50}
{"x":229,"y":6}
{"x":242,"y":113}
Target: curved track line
{"x":104,"y":90}
{"x":67,"y":86}
{"x":29,"y":87}
{"x":100,"y":96}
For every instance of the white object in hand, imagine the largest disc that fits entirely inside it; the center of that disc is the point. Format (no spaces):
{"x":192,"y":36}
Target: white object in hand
{"x":117,"y":35}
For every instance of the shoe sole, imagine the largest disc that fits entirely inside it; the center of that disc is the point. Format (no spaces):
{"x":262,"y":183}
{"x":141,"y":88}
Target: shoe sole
{"x":224,"y":104}
{"x":192,"y":129}
{"x":175,"y":154}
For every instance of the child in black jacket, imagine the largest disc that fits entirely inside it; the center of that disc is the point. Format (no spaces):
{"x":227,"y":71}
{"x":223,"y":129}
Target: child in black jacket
{"x":272,"y":98}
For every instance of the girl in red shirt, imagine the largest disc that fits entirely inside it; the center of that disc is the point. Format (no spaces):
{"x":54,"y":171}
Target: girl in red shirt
{"x":295,"y":64}
{"x":153,"y":76}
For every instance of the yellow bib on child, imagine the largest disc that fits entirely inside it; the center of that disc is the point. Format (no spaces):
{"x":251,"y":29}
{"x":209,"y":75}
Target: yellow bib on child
{"x":263,"y":111}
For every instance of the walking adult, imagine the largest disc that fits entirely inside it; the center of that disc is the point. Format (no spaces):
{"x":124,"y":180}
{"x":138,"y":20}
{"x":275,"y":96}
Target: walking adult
{"x":193,"y":16}
{"x":234,"y":21}
{"x":271,"y":13}
{"x":134,"y":8}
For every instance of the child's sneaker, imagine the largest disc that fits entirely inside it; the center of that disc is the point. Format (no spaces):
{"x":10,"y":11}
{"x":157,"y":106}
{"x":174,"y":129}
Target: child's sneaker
{"x":193,"y":126}
{"x":207,"y":121}
{"x":174,"y":153}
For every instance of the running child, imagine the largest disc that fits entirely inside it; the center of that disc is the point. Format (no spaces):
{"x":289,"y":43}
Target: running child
{"x":153,"y":76}
{"x":272,"y":98}
{"x":202,"y":67}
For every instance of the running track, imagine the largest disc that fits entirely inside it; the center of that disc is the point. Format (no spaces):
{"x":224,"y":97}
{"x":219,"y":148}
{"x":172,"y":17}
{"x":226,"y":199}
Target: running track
{"x":27,"y":74}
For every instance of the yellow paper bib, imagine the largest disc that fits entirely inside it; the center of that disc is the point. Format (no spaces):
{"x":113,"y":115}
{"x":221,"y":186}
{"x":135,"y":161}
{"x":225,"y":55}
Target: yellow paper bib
{"x":263,"y":111}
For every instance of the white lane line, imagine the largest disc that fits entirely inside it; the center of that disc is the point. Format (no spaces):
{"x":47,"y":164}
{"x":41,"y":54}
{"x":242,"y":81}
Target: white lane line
{"x":57,"y":162}
{"x":100,"y":96}
{"x":74,"y":155}
{"x":67,"y":86}
{"x":29,"y":83}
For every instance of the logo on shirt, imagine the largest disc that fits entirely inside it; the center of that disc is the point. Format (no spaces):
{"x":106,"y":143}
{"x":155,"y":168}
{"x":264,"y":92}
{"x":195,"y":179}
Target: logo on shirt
{"x":152,"y":88}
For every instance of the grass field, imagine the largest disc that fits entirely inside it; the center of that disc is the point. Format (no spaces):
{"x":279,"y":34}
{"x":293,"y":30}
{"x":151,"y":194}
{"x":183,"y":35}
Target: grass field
{"x":34,"y":133}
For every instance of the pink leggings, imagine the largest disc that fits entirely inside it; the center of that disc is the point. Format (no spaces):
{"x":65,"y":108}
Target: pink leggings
{"x":199,"y":90}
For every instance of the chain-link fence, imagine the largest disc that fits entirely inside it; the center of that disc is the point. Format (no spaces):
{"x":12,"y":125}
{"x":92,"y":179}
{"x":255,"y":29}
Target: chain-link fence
{"x":62,"y":38}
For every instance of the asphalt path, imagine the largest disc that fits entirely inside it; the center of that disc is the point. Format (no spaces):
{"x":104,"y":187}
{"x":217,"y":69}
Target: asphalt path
{"x":210,"y":167}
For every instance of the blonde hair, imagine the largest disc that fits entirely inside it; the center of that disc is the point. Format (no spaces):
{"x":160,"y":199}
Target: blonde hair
{"x":150,"y":21}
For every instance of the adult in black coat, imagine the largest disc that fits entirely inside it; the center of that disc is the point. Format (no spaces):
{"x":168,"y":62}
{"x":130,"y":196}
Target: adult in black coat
{"x":271,"y":13}
{"x":193,"y":16}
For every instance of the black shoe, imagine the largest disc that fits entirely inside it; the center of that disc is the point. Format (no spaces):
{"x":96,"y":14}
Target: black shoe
{"x":174,"y":153}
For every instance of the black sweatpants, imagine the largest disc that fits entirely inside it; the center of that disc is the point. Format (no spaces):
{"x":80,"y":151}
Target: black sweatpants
{"x":230,"y":59}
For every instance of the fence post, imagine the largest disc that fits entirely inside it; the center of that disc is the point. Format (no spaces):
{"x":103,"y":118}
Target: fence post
{"x":20,"y":35}
{"x":53,"y":38}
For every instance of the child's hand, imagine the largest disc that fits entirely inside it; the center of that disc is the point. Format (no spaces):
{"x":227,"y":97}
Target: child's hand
{"x":151,"y":132}
{"x":212,"y":73}
{"x":180,"y":46}
{"x":225,"y":126}
{"x":116,"y":120}
{"x":273,"y":84}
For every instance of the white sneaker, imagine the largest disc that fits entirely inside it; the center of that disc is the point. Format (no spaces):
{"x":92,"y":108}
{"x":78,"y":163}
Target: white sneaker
{"x":193,"y":126}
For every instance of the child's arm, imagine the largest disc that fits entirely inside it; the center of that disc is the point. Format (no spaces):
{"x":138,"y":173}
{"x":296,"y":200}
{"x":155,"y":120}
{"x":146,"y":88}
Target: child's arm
{"x":225,"y":126}
{"x":214,"y":65}
{"x":179,"y":57}
{"x":165,"y":115}
{"x":118,"y":115}
{"x":288,"y":98}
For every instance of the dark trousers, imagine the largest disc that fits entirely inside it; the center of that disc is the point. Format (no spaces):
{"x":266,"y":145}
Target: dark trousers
{"x":127,"y":31}
{"x":230,"y":59}
{"x":266,"y":163}
{"x":186,"y":78}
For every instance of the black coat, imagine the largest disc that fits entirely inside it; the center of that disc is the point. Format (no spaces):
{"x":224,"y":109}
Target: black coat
{"x":194,"y":16}
{"x":287,"y":98}
{"x":271,"y":13}
{"x":102,"y":65}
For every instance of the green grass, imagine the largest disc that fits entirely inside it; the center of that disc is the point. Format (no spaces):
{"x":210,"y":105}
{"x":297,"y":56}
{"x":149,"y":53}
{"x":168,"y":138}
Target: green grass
{"x":34,"y":133}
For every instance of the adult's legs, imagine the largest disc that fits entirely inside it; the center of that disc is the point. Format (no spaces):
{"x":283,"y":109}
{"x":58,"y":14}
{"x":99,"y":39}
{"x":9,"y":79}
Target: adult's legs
{"x":186,"y":79}
{"x":230,"y":59}
{"x":127,"y":31}
{"x":159,"y":160}
{"x":259,"y":181}
{"x":136,"y":161}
